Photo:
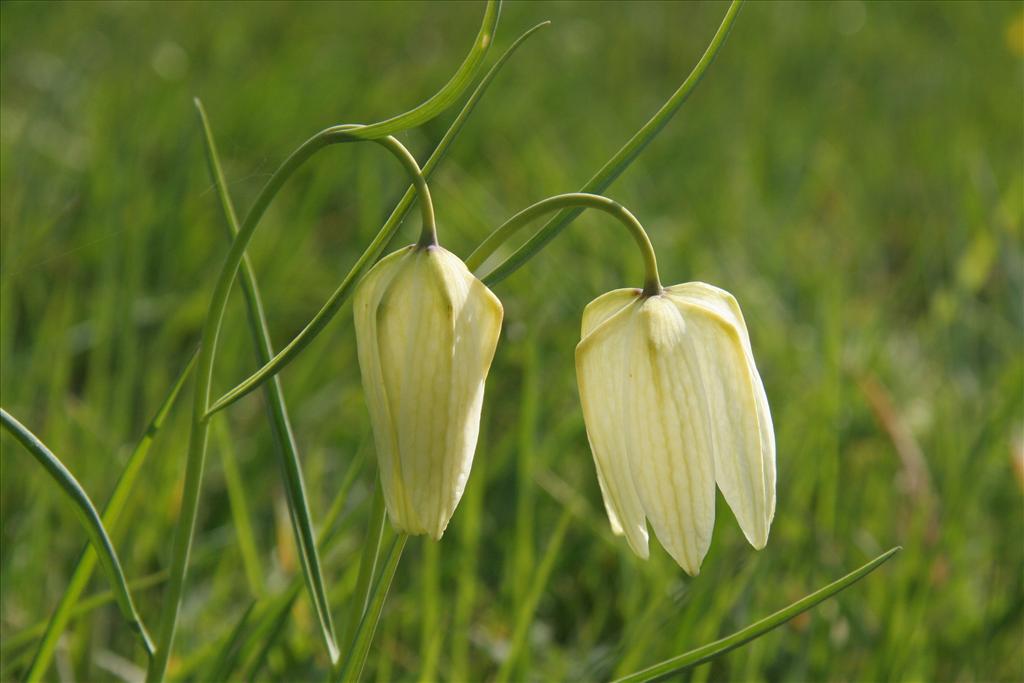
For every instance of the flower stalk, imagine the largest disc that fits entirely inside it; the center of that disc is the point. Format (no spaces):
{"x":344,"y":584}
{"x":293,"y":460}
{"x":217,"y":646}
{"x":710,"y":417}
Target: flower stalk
{"x":573,"y":200}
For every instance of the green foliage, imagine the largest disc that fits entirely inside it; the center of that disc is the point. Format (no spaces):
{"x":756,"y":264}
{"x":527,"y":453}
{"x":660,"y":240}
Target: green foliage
{"x":851,"y":172}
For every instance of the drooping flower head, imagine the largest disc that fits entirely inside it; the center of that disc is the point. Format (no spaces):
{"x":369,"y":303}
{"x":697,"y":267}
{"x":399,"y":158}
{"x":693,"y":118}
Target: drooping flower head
{"x":673,"y":403}
{"x":426,"y":332}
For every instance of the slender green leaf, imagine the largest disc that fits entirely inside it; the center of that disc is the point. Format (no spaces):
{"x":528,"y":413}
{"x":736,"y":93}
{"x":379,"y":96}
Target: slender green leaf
{"x":281,"y":428}
{"x":756,"y":630}
{"x":268,"y":609}
{"x":432,"y":620}
{"x":356,"y":659}
{"x":623,"y":158}
{"x":83,"y":606}
{"x":239,"y":504}
{"x":111,"y":519}
{"x":469,"y":533}
{"x":367,"y":567}
{"x":90,"y":520}
{"x":225,"y":662}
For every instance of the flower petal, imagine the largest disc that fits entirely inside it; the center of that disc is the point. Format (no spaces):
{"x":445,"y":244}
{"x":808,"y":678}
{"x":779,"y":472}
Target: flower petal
{"x":601,"y":373}
{"x":365,"y":305}
{"x":668,"y":431}
{"x":605,"y":306}
{"x":427,"y":331}
{"x":477,"y":326}
{"x":744,"y":439}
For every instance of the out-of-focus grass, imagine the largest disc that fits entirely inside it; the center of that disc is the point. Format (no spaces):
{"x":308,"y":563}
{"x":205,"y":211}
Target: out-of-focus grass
{"x":853,"y":172}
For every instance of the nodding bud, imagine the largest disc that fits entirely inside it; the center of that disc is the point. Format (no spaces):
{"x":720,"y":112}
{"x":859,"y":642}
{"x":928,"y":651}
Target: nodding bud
{"x":426,"y":331}
{"x":673,"y":403}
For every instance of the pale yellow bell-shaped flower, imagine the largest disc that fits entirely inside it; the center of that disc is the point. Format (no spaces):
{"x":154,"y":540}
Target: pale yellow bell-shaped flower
{"x":673,"y":403}
{"x":426,"y":332}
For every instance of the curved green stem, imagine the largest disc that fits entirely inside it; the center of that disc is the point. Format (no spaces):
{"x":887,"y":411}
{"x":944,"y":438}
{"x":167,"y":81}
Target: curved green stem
{"x":336,"y":135}
{"x":371,"y":253}
{"x":624,"y":157}
{"x":90,"y":520}
{"x":311,"y":146}
{"x":652,"y":283}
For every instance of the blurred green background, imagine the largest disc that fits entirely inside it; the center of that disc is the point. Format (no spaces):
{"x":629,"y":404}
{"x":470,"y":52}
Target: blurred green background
{"x":852,"y":172}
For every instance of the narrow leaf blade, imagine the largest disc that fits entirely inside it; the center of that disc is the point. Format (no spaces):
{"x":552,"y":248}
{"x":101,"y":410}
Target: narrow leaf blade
{"x":756,"y":630}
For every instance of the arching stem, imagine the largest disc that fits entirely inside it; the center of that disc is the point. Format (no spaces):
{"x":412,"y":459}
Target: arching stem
{"x":652,"y":283}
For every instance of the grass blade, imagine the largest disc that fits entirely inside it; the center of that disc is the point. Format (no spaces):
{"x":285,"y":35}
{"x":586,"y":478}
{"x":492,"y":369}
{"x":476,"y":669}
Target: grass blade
{"x":268,"y":609}
{"x":432,"y":621}
{"x":469,"y":533}
{"x":81,"y":607}
{"x":356,"y":659}
{"x":111,"y":518}
{"x":529,"y":606}
{"x":367,"y":567}
{"x":370,"y":255}
{"x":756,"y":630}
{"x":90,"y":520}
{"x":238,"y":502}
{"x":280,"y":422}
{"x":228,"y":657}
{"x":623,"y":158}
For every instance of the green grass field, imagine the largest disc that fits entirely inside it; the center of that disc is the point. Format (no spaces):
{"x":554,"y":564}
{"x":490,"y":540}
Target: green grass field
{"x":852,"y":172}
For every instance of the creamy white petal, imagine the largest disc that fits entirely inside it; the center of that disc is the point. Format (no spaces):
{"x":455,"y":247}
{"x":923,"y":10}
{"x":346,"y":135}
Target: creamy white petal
{"x":613,"y":516}
{"x":602,"y":376}
{"x":477,"y":325}
{"x":605,"y":306}
{"x":596,"y":313}
{"x":742,"y":432}
{"x":365,"y":305}
{"x":668,"y":431}
{"x":425,"y":355}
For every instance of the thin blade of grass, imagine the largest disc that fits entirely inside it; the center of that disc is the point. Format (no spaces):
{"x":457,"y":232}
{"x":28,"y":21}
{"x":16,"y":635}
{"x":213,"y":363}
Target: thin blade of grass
{"x":280,"y":422}
{"x":469,"y":530}
{"x":356,"y":659}
{"x":111,"y":519}
{"x":370,"y":255}
{"x":239,"y":504}
{"x":268,"y":609}
{"x":523,"y":556}
{"x":89,"y":517}
{"x":432,"y":622}
{"x":708,"y":652}
{"x":81,"y":607}
{"x":623,"y":158}
{"x":85,"y":605}
{"x":529,"y":606}
{"x":225,"y":662}
{"x":367,"y":567}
